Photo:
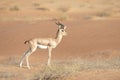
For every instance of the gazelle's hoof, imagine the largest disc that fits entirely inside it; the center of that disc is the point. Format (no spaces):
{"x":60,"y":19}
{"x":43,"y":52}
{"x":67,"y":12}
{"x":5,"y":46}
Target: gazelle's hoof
{"x":28,"y":67}
{"x":48,"y":64}
{"x":20,"y":66}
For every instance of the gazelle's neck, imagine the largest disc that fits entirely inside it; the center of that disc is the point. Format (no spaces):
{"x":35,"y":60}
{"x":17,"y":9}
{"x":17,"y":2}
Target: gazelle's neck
{"x":58,"y":37}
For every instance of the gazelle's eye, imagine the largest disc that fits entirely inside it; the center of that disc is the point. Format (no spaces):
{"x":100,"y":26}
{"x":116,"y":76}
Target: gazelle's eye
{"x":62,"y":30}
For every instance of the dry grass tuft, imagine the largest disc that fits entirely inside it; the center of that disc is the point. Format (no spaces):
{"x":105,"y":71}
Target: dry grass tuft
{"x":11,"y":61}
{"x":14,"y":8}
{"x":7,"y":75}
{"x":63,"y":70}
{"x":36,"y":4}
{"x":42,"y":9}
{"x":63,"y":9}
{"x":103,"y":14}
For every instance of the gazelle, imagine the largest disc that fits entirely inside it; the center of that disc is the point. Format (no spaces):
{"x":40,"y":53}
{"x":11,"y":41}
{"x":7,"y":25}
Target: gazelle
{"x":44,"y":43}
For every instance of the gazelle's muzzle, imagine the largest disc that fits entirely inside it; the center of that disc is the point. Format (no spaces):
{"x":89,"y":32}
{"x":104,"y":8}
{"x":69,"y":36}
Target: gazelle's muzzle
{"x":65,"y":34}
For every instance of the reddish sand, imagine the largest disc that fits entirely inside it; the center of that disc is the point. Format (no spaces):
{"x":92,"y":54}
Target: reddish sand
{"x":93,"y":27}
{"x":83,"y":37}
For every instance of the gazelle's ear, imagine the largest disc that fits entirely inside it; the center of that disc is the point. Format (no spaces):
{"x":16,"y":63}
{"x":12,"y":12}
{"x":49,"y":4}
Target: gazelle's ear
{"x":57,"y":22}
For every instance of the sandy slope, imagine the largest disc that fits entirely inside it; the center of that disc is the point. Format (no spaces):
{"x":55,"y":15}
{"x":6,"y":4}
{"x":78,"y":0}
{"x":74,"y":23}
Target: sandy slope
{"x":86,"y":39}
{"x":83,"y":36}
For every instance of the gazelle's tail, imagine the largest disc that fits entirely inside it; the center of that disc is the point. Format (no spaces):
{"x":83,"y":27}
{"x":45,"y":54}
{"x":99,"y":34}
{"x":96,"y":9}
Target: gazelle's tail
{"x":27,"y":41}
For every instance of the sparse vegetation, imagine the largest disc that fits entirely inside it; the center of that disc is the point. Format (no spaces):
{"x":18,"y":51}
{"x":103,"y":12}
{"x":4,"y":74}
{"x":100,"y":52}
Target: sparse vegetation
{"x":36,"y":4}
{"x":55,"y":6}
{"x":42,"y":9}
{"x":14,"y":8}
{"x":64,"y":17}
{"x":38,"y":7}
{"x":87,"y":17}
{"x":63,"y":9}
{"x":12,"y":61}
{"x":62,"y":70}
{"x":7,"y":75}
{"x":103,"y":14}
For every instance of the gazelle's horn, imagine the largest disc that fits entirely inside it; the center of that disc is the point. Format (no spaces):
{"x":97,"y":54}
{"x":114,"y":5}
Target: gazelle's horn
{"x":60,"y":25}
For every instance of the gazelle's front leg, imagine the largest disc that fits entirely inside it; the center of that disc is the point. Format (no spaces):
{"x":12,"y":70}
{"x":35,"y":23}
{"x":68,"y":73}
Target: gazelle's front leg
{"x":49,"y":55}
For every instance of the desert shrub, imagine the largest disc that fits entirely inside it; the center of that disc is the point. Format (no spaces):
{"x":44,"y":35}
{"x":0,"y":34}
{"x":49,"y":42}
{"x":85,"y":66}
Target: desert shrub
{"x":7,"y":74}
{"x":87,"y":17}
{"x":63,"y":70}
{"x":63,"y":9}
{"x":14,"y":8}
{"x":11,"y":61}
{"x":42,"y":9}
{"x":36,"y":4}
{"x":103,"y":14}
{"x":38,"y":7}
{"x":57,"y":71}
{"x":64,"y":17}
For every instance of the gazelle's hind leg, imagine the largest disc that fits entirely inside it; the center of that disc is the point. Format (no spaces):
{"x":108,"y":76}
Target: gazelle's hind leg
{"x":27,"y":56}
{"x":23,"y":57}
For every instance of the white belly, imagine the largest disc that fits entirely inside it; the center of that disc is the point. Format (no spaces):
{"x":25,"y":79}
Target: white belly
{"x":42,"y":46}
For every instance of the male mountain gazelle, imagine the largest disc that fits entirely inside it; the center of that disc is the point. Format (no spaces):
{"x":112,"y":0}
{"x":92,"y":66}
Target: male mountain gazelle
{"x":44,"y":43}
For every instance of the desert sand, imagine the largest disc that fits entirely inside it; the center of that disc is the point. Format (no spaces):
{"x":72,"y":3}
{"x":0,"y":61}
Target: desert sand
{"x":93,"y":29}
